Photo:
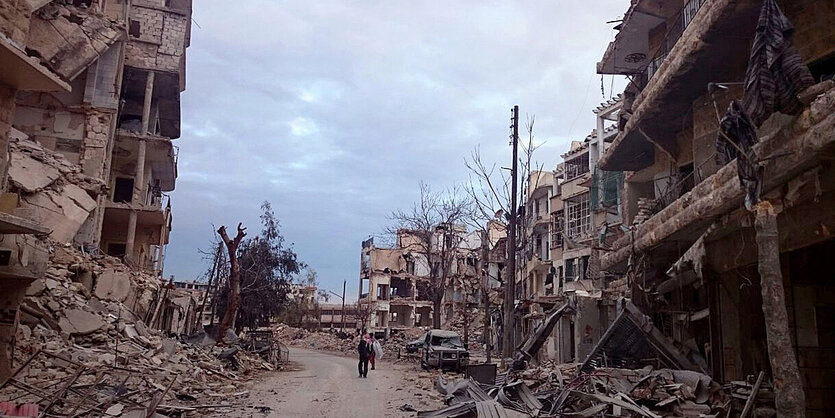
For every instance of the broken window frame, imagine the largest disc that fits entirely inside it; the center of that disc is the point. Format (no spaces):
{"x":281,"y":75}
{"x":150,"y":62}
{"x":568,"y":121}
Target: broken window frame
{"x":557,"y":225}
{"x":577,"y":166}
{"x":578,"y":217}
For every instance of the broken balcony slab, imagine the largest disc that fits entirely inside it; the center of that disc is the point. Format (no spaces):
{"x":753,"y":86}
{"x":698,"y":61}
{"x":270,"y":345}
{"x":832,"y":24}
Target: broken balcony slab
{"x":68,"y":39}
{"x":10,"y":224}
{"x":715,"y":39}
{"x":633,"y":341}
{"x":26,"y":73}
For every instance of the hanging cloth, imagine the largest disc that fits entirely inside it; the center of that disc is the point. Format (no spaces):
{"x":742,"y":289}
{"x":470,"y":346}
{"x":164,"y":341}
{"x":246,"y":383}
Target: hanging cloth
{"x":776,"y":73}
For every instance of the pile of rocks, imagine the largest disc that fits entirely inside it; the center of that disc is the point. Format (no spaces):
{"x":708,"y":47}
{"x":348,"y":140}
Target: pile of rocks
{"x":549,"y":375}
{"x":85,"y":320}
{"x":317,"y":340}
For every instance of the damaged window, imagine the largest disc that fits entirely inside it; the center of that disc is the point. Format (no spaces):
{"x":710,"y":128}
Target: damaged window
{"x":577,"y":166}
{"x":134,"y":29}
{"x":557,"y":229}
{"x":579,"y":218}
{"x":123,"y":190}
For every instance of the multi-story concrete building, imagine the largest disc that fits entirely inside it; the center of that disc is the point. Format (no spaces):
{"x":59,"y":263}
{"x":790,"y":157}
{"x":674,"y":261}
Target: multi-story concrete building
{"x":126,"y":73}
{"x":98,"y":83}
{"x":393,"y":281}
{"x":572,"y":213}
{"x":23,"y":256}
{"x":397,"y":281}
{"x":695,"y":255}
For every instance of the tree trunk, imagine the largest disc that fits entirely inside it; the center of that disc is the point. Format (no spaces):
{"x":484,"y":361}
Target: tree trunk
{"x":788,"y":388}
{"x":234,"y":279}
{"x":436,"y":306}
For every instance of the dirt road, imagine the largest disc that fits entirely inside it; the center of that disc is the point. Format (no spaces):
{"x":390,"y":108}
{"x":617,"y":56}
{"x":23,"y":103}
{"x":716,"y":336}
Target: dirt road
{"x":328,"y":386}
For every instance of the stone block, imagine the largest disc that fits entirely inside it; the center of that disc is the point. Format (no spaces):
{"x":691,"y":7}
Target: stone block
{"x":112,"y":285}
{"x":80,"y":322}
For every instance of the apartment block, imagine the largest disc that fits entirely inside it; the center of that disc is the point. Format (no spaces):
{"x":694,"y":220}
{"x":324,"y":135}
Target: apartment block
{"x":86,"y":129}
{"x":692,"y":255}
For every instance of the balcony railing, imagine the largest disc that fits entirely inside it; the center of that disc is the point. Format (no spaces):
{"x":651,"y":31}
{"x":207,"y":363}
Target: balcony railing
{"x":674,"y":32}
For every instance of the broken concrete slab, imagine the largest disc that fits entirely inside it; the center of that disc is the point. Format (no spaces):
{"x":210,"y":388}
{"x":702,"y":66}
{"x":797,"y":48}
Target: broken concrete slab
{"x":29,"y":174}
{"x":62,"y":212}
{"x":36,"y":287}
{"x":80,"y":322}
{"x":112,"y":285}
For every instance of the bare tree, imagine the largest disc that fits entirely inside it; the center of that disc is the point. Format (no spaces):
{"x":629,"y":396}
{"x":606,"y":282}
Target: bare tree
{"x":234,"y":277}
{"x":432,"y":230}
{"x":363,"y":311}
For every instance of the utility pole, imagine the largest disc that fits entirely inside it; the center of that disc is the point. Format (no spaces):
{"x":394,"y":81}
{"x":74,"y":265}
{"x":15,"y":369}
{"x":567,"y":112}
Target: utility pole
{"x":510,"y":277}
{"x":342,"y":321}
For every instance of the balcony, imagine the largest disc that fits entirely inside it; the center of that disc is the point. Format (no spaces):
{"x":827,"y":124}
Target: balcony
{"x":713,"y":33}
{"x":25,"y":73}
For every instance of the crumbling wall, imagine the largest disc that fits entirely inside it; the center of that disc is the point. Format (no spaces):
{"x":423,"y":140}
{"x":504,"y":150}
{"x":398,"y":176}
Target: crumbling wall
{"x":706,"y":129}
{"x":53,"y":191}
{"x":159,"y":35}
{"x":14,"y":20}
{"x":814,"y":35}
{"x":7,"y":106}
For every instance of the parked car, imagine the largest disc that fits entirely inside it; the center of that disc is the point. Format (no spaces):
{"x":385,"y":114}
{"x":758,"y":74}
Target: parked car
{"x":414,"y":345}
{"x":444,"y":350}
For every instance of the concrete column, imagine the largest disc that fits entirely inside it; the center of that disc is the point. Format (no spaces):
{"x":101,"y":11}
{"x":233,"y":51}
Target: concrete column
{"x":131,"y":238}
{"x":139,"y":177}
{"x":146,"y":107}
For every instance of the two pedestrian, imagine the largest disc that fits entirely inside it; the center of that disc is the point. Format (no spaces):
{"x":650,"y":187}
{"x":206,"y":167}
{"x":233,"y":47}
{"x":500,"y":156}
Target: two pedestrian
{"x":364,"y":349}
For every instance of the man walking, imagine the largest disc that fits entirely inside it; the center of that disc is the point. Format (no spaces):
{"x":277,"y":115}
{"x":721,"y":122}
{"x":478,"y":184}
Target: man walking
{"x":364,"y":350}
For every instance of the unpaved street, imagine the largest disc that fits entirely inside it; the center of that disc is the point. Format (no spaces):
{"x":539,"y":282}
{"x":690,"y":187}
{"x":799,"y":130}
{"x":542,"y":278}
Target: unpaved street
{"x":328,"y":386}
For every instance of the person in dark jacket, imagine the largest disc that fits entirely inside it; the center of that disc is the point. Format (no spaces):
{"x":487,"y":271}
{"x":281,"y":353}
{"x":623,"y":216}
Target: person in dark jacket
{"x":364,"y":350}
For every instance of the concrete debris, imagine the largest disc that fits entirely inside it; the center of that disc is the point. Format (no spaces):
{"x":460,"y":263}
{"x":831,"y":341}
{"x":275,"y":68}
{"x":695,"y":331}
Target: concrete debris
{"x":80,"y":322}
{"x":317,"y":340}
{"x":70,"y":337}
{"x":611,"y":392}
{"x":53,"y":191}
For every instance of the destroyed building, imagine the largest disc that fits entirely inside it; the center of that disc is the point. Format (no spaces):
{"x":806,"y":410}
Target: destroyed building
{"x":396,"y":280}
{"x":694,"y":255}
{"x":571,"y":214}
{"x":392,"y":280}
{"x":90,"y":105}
{"x":126,"y":64}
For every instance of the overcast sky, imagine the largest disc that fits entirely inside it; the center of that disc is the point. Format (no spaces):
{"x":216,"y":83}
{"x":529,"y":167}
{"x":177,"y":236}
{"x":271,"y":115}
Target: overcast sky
{"x":334,"y":111}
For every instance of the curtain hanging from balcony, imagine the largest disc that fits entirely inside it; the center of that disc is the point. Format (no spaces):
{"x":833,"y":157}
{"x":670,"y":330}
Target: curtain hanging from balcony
{"x":776,"y":73}
{"x":774,"y":78}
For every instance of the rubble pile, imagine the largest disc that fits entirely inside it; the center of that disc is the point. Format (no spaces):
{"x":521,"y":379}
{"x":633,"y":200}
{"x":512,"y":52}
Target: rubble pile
{"x":83,"y":325}
{"x":53,"y":191}
{"x":549,"y":375}
{"x":551,"y":391}
{"x":317,"y":340}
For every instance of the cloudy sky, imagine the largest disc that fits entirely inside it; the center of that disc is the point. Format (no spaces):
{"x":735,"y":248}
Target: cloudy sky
{"x":335,"y":110}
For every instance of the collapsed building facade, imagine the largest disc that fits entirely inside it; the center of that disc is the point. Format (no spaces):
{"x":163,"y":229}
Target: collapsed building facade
{"x":90,"y":104}
{"x":397,"y":282}
{"x":572,"y":214}
{"x":693,"y":257}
